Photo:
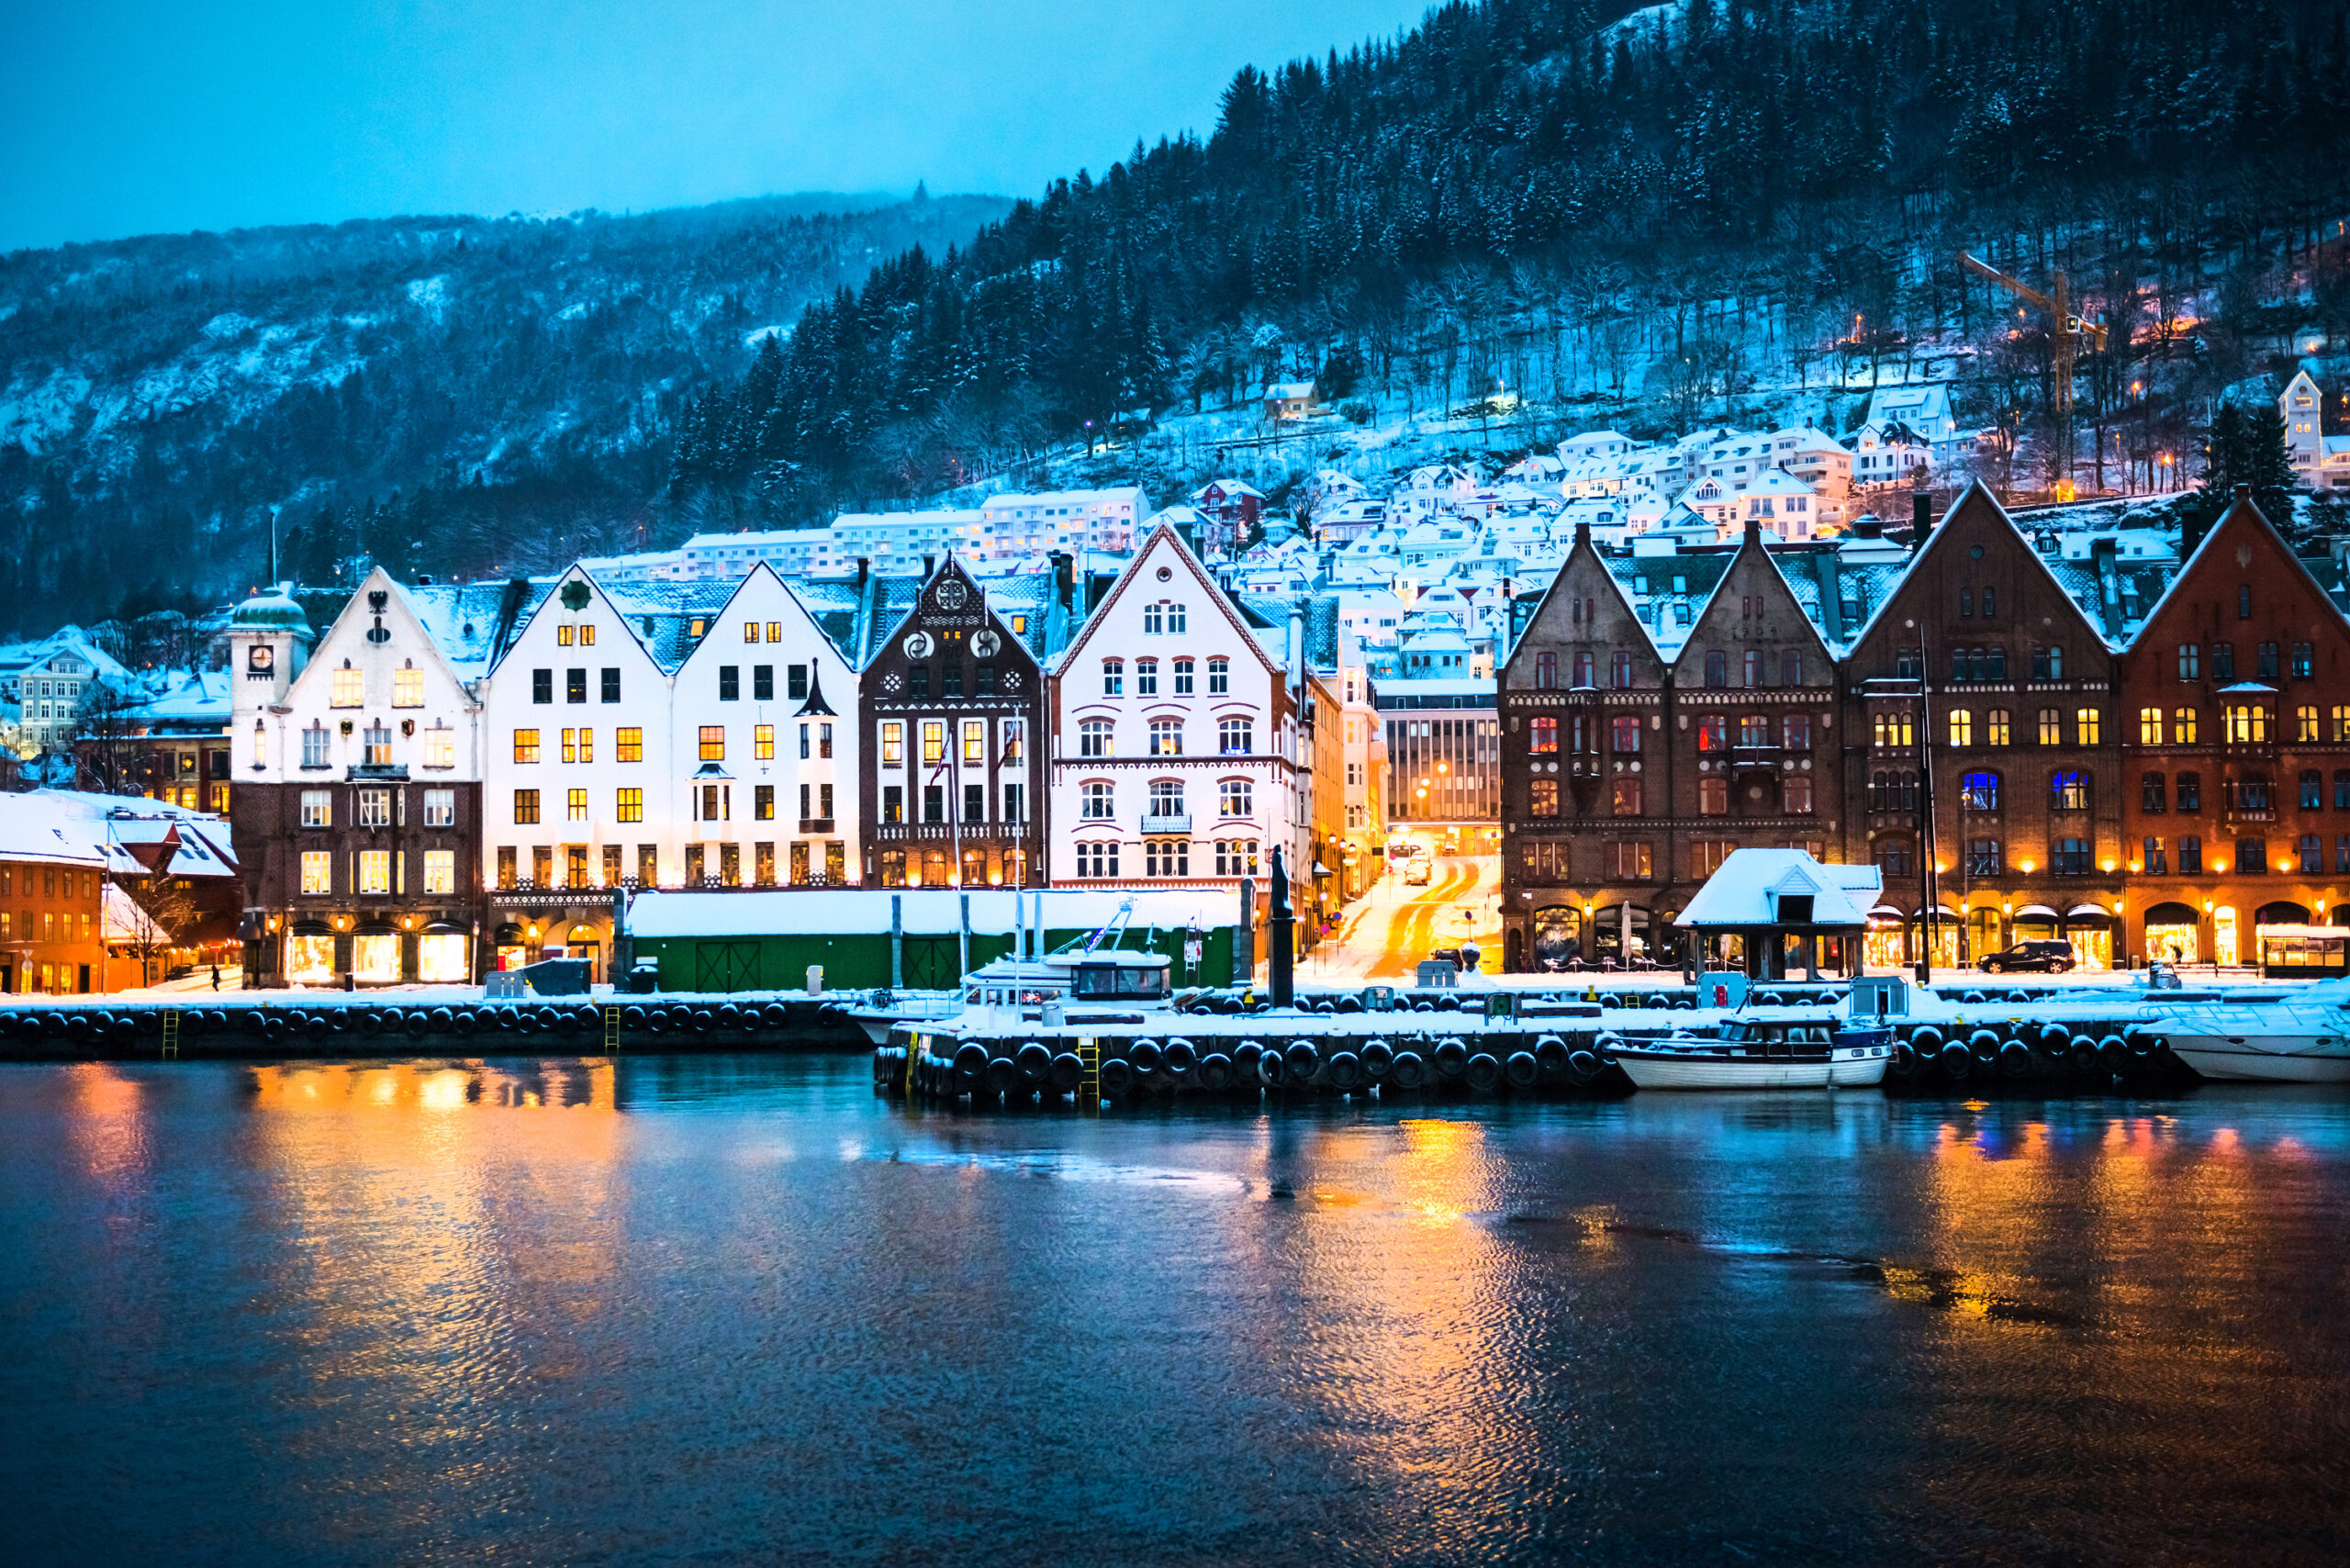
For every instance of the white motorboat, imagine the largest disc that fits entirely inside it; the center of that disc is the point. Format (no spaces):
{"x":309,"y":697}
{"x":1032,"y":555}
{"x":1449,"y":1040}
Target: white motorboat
{"x":1764,"y":1048}
{"x":2296,"y":1037}
{"x":1096,"y":970}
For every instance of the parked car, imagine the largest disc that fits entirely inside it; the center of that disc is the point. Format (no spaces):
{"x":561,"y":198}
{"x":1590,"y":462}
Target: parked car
{"x":2050,"y":957}
{"x":1415,"y":872}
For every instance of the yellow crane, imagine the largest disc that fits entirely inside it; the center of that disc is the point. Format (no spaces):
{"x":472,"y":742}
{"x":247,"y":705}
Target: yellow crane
{"x":2065,"y":329}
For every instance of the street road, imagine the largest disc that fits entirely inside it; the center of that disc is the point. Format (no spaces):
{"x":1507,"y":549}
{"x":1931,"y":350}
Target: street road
{"x":1387,"y":931}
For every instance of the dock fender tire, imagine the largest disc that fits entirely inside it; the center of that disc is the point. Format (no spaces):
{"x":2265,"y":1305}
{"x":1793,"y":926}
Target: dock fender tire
{"x":2112,"y":1052}
{"x":1905,"y":1059}
{"x":1064,"y":1072}
{"x":1956,"y":1060}
{"x":1343,"y":1071}
{"x":319,"y":1026}
{"x":729,"y":1016}
{"x":2081,"y":1054}
{"x":1927,"y":1039}
{"x":1117,"y":1077}
{"x":466,"y":1022}
{"x":1035,"y":1063}
{"x":971,"y":1057}
{"x":1422,"y":1005}
{"x":1146,"y":1056}
{"x":704,"y":1020}
{"x":656,"y":1019}
{"x":1271,"y":1070}
{"x":256,"y":1020}
{"x":832,"y":1015}
{"x":1985,"y":1043}
{"x":2055,"y":1039}
{"x":1002,"y":1076}
{"x":1180,"y":1057}
{"x":2015,"y":1058}
{"x":441,"y":1019}
{"x":1973,"y":999}
{"x":1301,"y":1058}
{"x":555,"y":1020}
{"x":1583,"y":1065}
{"x":1483,"y":1071}
{"x":1521,"y":1069}
{"x":1451,"y":1057}
{"x":1349,"y":1004}
{"x":371,"y":1024}
{"x":1378,"y":1056}
{"x":1407,"y":1072}
{"x":1326,"y":1007}
{"x":1550,"y":1055}
{"x":1216,"y":1072}
{"x":1244,"y":1058}
{"x":2139,"y":1040}
{"x":775,"y":1015}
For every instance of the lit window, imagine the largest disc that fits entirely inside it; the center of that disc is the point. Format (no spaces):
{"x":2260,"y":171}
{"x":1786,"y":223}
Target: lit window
{"x":975,"y":743}
{"x":763,"y":743}
{"x":2183,"y":725}
{"x":1094,"y":738}
{"x":407,"y":688}
{"x":628,"y":806}
{"x":374,"y":870}
{"x":628,"y":744}
{"x":317,"y":808}
{"x":1167,"y":737}
{"x":2150,"y":726}
{"x":575,"y":805}
{"x":2090,"y":724}
{"x":439,"y":871}
{"x":318,"y":872}
{"x":1962,"y":727}
{"x":526,"y":806}
{"x":1542,"y":736}
{"x":350,"y":688}
{"x":1236,"y":737}
{"x":933,"y":742}
{"x":440,"y":808}
{"x":713,"y":742}
{"x":526,"y":746}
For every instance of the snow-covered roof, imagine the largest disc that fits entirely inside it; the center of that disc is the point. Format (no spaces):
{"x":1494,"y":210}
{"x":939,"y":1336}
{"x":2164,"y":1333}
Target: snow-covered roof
{"x":926,"y":911}
{"x":1748,"y":888}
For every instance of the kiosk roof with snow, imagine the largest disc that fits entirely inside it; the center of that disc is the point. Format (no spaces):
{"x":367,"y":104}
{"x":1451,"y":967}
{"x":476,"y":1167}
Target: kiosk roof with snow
{"x":1782,"y":889}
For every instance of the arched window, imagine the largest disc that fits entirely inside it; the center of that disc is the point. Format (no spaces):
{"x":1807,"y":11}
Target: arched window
{"x":1546,"y":670}
{"x":2342,"y":789}
{"x":1979,"y":791}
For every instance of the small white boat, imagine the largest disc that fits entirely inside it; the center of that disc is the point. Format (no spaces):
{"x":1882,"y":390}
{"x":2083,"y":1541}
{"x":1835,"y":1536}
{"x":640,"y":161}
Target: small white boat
{"x":2295,"y":1036}
{"x":1096,"y":970}
{"x":1768,"y":1050}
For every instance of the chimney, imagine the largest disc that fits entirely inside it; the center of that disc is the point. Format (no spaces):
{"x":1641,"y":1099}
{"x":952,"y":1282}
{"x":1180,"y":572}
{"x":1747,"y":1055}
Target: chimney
{"x":1921,"y":518}
{"x":1296,"y":646}
{"x":1868,"y":525}
{"x":2244,"y":492}
{"x":1583,"y":533}
{"x":929,"y":564}
{"x":1064,"y":578}
{"x":864,"y":570}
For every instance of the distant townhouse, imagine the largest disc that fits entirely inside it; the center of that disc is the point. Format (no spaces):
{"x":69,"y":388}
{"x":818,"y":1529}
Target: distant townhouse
{"x":1289,"y":400}
{"x":1232,"y":508}
{"x":1177,"y":741}
{"x":356,"y":807}
{"x":46,"y":685}
{"x":51,"y":916}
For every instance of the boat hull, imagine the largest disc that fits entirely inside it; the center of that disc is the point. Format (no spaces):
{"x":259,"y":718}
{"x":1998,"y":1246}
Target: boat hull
{"x":1844,"y":1069}
{"x":2301,"y":1059}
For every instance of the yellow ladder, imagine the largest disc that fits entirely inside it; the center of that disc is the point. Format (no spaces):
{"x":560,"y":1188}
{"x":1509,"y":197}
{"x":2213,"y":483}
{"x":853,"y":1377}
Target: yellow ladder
{"x":612,"y":1031}
{"x":172,"y":1034}
{"x":1088,"y":1084}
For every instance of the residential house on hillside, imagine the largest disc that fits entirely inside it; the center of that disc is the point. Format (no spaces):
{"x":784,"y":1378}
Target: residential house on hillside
{"x":1289,"y":400}
{"x":2319,"y":460}
{"x":46,"y":685}
{"x":1233,"y":508}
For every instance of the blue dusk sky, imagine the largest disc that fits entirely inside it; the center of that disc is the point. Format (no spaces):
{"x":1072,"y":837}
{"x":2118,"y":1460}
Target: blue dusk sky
{"x":133,"y":117}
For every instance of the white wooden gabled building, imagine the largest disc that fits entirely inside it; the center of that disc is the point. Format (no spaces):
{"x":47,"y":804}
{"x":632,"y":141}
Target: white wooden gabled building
{"x":2320,"y":461}
{"x":1176,"y":746}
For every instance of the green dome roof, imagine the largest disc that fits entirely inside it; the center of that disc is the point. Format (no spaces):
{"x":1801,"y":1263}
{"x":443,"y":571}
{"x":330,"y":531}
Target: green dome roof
{"x":271,"y":608}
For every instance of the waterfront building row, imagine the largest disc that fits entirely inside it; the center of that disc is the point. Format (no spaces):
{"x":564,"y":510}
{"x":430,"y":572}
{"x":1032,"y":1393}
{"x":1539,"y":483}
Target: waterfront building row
{"x":2149,"y":762}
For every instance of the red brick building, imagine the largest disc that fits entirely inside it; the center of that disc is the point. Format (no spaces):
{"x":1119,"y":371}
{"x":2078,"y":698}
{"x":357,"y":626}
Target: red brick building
{"x":2235,"y":746}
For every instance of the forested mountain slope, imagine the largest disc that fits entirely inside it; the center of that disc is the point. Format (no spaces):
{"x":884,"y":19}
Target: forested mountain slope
{"x":1543,"y":169}
{"x":506,"y":384}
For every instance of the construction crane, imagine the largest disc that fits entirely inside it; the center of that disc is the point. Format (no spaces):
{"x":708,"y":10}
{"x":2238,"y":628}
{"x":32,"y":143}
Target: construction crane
{"x":2064,"y":329}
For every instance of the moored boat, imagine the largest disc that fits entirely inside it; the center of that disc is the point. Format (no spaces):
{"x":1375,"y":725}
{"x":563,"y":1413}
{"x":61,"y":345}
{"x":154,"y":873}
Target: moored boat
{"x":1763,"y":1048}
{"x":2301,"y":1037}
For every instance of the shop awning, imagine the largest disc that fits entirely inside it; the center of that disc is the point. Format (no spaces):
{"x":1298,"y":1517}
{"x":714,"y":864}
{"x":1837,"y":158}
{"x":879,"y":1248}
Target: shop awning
{"x":2036,"y":912}
{"x":2089,"y":912}
{"x":1941,"y":912}
{"x":1884,"y":912}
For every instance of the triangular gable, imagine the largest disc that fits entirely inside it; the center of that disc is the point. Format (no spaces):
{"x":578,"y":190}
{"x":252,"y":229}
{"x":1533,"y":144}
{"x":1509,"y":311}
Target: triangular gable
{"x":1749,"y":546}
{"x":1199,"y":575}
{"x":761,"y":569}
{"x":978,"y":594}
{"x":1976,"y":494}
{"x":396,"y":600}
{"x":1583,"y":552}
{"x":2230,"y":518}
{"x":552,"y":598}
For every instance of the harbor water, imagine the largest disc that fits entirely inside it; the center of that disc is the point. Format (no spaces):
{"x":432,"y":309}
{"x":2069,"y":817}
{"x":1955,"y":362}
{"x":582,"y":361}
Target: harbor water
{"x":738,"y":1309}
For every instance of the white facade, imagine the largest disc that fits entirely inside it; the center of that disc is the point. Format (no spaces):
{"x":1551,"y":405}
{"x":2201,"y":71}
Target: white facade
{"x":607,"y":768}
{"x":2318,"y":460}
{"x":45,"y":685}
{"x":1175,"y":745}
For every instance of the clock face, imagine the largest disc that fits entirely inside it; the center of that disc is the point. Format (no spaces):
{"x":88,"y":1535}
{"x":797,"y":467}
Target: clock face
{"x":261,"y":656}
{"x":918,"y":645}
{"x":985,"y":644}
{"x":953,"y":594}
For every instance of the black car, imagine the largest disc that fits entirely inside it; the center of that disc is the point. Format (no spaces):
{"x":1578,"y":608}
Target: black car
{"x":2053,"y":958}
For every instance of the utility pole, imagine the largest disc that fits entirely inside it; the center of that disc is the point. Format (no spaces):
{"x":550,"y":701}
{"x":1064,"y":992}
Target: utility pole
{"x":2064,"y":326}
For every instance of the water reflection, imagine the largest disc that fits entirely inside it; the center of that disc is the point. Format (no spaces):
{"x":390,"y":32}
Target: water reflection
{"x":738,"y":1309}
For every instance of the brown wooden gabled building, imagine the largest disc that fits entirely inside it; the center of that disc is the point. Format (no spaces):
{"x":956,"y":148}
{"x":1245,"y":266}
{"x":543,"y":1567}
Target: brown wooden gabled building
{"x":1630,"y":774}
{"x":2235,"y":737}
{"x":1979,"y":716}
{"x":951,"y":775}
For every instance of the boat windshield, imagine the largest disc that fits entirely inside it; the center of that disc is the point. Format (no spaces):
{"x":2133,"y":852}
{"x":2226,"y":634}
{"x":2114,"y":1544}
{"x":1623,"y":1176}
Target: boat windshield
{"x":1120,"y":980}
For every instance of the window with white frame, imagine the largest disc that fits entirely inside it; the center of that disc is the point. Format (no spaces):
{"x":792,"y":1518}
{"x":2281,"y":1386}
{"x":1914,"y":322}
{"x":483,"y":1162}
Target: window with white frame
{"x":1235,"y":737}
{"x":1167,"y":737}
{"x":374,"y":808}
{"x":408,"y":688}
{"x":439,"y":870}
{"x":1145,"y":677}
{"x":1219,"y":676}
{"x":318,"y":872}
{"x":314,"y":745}
{"x":1236,"y":798}
{"x":1167,"y":797}
{"x":374,"y":870}
{"x":1165,"y":618}
{"x":1094,"y":738}
{"x":1097,"y":799}
{"x":1097,"y":859}
{"x":350,"y":688}
{"x":1113,"y":678}
{"x":317,"y":808}
{"x":1184,"y":677}
{"x":440,"y":808}
{"x":440,"y":746}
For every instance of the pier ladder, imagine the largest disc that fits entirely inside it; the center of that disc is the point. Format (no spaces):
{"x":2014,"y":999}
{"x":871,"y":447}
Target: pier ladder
{"x":612,"y":1031}
{"x":172,"y":1034}
{"x":1089,"y":1084}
